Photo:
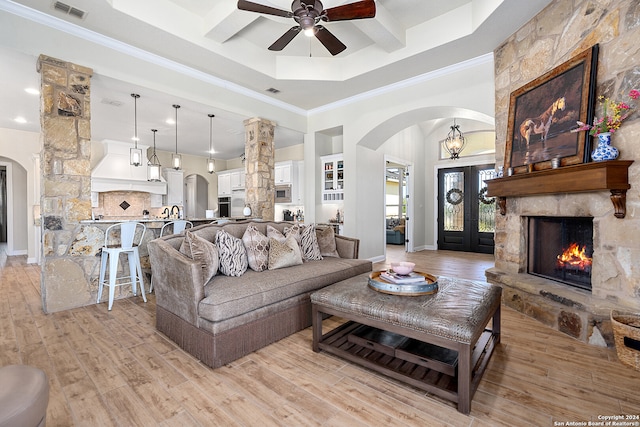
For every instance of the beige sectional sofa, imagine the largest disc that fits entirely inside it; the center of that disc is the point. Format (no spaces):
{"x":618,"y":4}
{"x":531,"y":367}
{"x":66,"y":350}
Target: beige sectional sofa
{"x":229,"y":317}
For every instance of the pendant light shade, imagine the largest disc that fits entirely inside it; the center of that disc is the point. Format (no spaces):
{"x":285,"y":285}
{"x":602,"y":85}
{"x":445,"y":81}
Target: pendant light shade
{"x":153,"y":167}
{"x":211,"y":166}
{"x":455,"y":142}
{"x":135,"y":154}
{"x":176,"y":159}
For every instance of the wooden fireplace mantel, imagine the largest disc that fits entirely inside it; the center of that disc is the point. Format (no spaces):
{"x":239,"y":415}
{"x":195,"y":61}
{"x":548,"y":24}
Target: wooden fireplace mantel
{"x":596,"y":176}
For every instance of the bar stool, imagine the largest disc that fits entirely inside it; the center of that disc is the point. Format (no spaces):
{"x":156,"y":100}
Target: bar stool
{"x":112,"y":252}
{"x":178,"y":227}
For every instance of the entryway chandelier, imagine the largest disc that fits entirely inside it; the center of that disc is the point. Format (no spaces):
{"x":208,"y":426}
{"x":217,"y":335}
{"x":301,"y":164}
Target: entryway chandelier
{"x":455,"y":142}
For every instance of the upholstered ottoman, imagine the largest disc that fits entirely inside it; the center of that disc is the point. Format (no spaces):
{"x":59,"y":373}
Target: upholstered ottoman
{"x":440,"y":343}
{"x":24,"y":396}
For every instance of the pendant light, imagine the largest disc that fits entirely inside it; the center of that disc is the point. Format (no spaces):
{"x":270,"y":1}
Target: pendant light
{"x":211,"y":166}
{"x":455,"y":142}
{"x":135,"y":154}
{"x":176,"y":159}
{"x":153,"y":167}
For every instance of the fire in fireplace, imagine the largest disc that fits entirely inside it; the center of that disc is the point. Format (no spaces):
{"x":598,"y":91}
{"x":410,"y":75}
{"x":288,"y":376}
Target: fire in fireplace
{"x":561,"y":249}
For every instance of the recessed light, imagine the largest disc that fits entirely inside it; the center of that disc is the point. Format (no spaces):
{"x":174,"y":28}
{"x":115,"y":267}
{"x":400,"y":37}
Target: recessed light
{"x":20,"y":119}
{"x":32,"y":91}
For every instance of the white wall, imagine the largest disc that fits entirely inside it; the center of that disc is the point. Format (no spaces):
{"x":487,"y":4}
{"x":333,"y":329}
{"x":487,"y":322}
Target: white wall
{"x":18,"y":148}
{"x":464,"y":91}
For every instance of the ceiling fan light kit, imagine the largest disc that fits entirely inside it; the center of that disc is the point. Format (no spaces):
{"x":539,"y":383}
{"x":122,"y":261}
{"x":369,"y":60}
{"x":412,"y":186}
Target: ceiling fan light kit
{"x":308,"y":14}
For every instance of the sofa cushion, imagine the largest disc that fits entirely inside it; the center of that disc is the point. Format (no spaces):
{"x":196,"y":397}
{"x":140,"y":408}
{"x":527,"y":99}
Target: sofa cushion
{"x":232,"y":254}
{"x":257,"y":246}
{"x":309,"y":243}
{"x":327,"y":242}
{"x":284,"y":254}
{"x":203,"y":251}
{"x":227,"y":297}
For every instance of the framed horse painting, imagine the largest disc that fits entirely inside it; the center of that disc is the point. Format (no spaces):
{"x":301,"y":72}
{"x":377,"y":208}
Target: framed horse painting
{"x":543,"y":112}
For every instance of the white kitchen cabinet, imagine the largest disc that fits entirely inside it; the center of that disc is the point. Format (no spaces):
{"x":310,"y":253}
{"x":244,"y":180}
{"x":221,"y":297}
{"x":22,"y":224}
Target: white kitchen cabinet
{"x":237,"y":180}
{"x":332,"y":178}
{"x":224,"y":184}
{"x":297,"y":183}
{"x":283,"y":173}
{"x":175,"y":187}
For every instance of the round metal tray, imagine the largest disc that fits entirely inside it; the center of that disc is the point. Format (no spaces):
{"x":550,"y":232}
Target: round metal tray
{"x":430,"y":286}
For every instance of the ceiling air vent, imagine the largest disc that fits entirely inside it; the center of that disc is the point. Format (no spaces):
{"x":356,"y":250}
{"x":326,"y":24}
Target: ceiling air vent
{"x":109,"y":101}
{"x":69,"y":10}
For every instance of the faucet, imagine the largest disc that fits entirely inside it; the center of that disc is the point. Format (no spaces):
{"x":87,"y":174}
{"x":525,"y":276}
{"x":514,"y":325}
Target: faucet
{"x":166,"y":212}
{"x":177,"y":211}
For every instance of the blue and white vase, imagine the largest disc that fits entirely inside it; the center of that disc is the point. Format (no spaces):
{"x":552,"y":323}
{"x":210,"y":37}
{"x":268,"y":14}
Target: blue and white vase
{"x":604,"y":150}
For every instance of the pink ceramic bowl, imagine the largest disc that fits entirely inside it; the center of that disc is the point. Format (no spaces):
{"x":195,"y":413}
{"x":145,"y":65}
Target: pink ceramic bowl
{"x":402,"y":267}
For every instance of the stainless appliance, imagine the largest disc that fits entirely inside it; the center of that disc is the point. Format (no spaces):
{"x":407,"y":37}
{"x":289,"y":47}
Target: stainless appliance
{"x":237,"y":203}
{"x":224,"y":207}
{"x":283,"y":193}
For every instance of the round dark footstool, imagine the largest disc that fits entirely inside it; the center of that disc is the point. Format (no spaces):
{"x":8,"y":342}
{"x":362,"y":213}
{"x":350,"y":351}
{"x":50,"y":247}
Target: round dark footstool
{"x":24,"y":396}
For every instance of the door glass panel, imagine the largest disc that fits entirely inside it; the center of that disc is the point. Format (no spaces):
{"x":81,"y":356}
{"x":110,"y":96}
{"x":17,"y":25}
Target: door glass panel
{"x":454,"y":201}
{"x":486,"y":205}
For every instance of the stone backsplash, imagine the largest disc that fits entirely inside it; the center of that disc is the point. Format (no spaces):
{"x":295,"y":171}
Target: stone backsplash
{"x":125,"y":204}
{"x":562,"y":30}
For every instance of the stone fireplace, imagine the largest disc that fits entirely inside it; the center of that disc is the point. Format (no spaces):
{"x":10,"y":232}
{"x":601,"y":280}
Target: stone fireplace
{"x":560,"y":31}
{"x":544,"y":213}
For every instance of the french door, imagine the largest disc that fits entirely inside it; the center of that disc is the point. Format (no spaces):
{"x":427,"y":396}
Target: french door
{"x":466,"y":217}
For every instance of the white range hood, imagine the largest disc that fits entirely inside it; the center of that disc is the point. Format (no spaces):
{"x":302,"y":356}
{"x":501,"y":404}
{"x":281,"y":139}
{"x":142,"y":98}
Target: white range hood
{"x":114,"y":173}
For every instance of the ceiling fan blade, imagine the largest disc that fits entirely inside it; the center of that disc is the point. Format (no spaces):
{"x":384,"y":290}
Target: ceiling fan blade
{"x":260,"y":8}
{"x":331,"y":42}
{"x":358,"y":10}
{"x":285,"y":39}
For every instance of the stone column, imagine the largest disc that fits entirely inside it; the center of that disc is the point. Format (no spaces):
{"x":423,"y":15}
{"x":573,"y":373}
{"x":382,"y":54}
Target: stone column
{"x":259,"y":167}
{"x":66,"y":182}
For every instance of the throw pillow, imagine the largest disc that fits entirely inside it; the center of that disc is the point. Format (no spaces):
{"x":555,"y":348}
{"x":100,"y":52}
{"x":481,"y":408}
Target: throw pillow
{"x":233,"y":256}
{"x":257,"y":246}
{"x":284,"y":254}
{"x":309,"y":243}
{"x":203,"y":251}
{"x":293,"y":231}
{"x":327,"y":242}
{"x":274,"y":233}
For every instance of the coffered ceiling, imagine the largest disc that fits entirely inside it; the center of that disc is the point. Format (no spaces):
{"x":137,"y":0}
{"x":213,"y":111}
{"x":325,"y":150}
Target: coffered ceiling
{"x":406,"y":39}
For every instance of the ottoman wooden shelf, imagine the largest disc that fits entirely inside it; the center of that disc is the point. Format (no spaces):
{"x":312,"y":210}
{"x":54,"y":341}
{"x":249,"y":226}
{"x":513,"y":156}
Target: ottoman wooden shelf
{"x":440,"y":343}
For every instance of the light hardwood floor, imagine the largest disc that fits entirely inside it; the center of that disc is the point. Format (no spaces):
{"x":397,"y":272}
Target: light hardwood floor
{"x":113,"y":368}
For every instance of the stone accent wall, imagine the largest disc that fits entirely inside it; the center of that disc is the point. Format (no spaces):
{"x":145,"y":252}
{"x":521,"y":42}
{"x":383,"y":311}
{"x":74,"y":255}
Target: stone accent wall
{"x":259,"y":167}
{"x":562,"y":30}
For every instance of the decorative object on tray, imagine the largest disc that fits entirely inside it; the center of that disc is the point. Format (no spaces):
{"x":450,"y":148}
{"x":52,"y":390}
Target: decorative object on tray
{"x":426,"y":286}
{"x":613,"y":114}
{"x":402,"y":267}
{"x":393,"y":277}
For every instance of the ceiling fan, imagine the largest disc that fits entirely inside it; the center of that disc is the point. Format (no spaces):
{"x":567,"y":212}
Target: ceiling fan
{"x":308,"y":14}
